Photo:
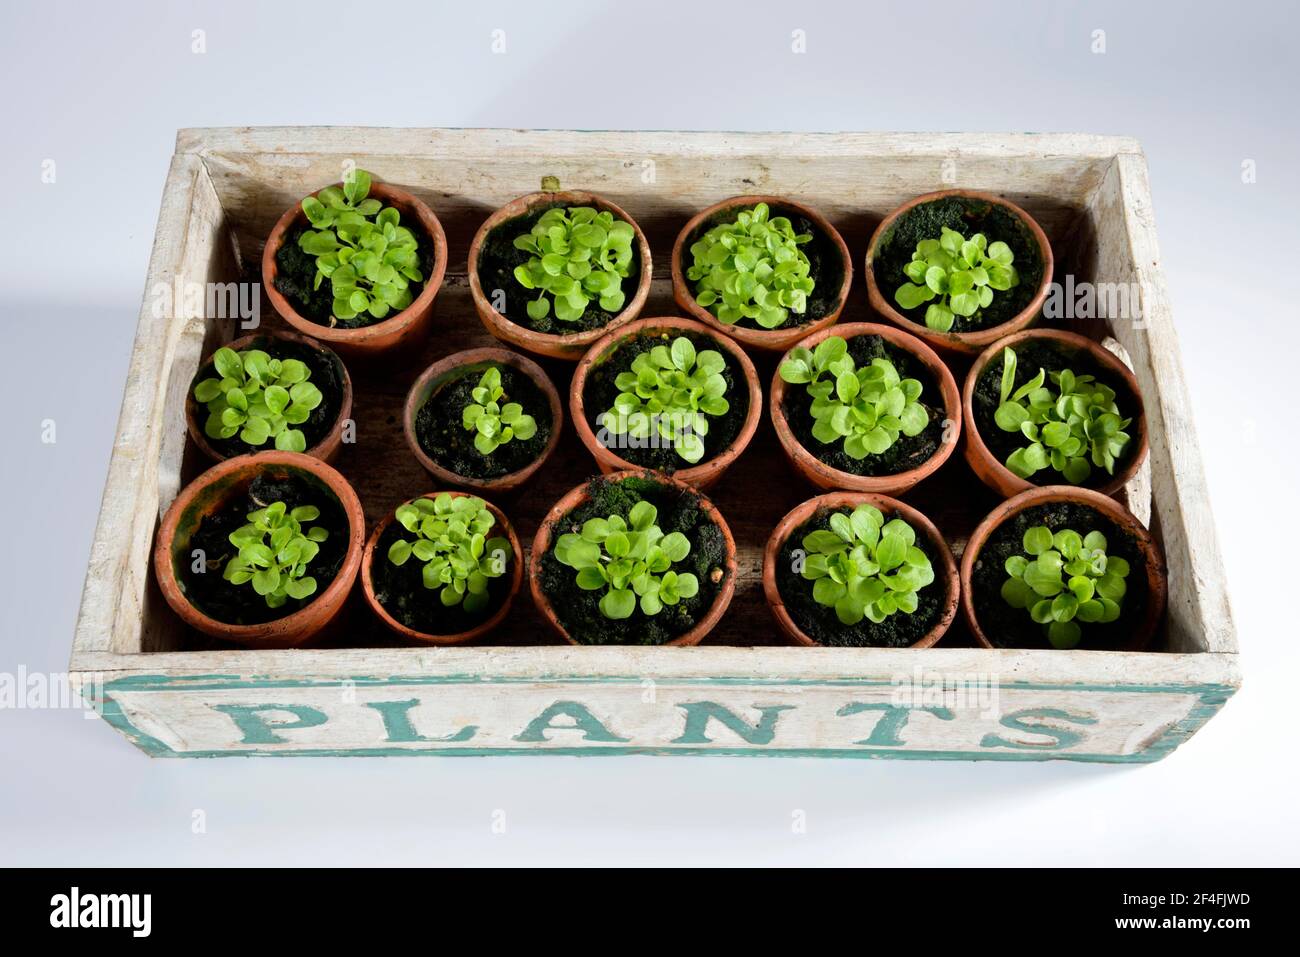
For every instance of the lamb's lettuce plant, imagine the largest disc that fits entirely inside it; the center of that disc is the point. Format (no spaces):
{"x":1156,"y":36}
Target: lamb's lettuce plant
{"x":360,"y":246}
{"x":865,"y":567}
{"x":258,"y":398}
{"x":1063,"y":579}
{"x":1066,"y":427}
{"x":671,"y":390}
{"x":577,"y":254}
{"x":962,"y":273}
{"x":866,"y":408}
{"x":631,"y":560}
{"x":492,"y":423}
{"x":275,"y":548}
{"x":752,"y":268}
{"x":451,"y":539}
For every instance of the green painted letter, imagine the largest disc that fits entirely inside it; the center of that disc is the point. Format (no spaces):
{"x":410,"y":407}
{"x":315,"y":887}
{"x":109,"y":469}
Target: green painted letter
{"x":893,"y":719}
{"x":1019,"y":721}
{"x":398,"y":727}
{"x":258,"y":730}
{"x":698,"y":714}
{"x":583,"y":720}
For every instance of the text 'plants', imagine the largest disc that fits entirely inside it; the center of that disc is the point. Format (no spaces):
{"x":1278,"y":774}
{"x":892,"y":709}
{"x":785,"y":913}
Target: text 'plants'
{"x":867,"y":408}
{"x":450,"y":538}
{"x":1064,"y":579}
{"x":631,"y":560}
{"x":752,"y":268}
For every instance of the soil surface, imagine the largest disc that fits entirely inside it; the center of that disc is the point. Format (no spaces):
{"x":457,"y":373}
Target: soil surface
{"x":579,"y":611}
{"x":1009,"y":627}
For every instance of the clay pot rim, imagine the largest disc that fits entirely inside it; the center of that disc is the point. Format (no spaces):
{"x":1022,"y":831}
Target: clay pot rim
{"x":319,"y":450}
{"x":1157,"y":582}
{"x":549,"y":343}
{"x":773,"y":340}
{"x":361,"y":335}
{"x":460,"y":638}
{"x":254,"y":634}
{"x":578,"y":495}
{"x":889,"y":505}
{"x":971,"y":342}
{"x":468,"y":357}
{"x":808,"y":463}
{"x":1103,"y":357}
{"x":595,"y":356}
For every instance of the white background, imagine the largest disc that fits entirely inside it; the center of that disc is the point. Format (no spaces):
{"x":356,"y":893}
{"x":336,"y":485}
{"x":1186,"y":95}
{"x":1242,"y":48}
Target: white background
{"x":101,"y":89}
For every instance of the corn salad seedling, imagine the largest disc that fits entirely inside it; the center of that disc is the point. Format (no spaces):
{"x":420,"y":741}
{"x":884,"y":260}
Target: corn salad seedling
{"x":672,"y":390}
{"x":274,"y":552}
{"x":752,"y":268}
{"x":451,"y":540}
{"x":866,"y":408}
{"x":963,"y":273}
{"x":361,"y":247}
{"x":631,"y":560}
{"x":492,"y":423}
{"x":577,"y":254}
{"x":258,"y":398}
{"x":1065,"y":428}
{"x":1063,"y":579}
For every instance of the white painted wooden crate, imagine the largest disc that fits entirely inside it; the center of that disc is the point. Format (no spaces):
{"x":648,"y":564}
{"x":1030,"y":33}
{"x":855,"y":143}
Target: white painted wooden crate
{"x":173,"y":694}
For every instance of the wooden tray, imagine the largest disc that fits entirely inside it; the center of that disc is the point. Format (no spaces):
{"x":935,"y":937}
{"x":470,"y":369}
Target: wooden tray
{"x":174,"y":693}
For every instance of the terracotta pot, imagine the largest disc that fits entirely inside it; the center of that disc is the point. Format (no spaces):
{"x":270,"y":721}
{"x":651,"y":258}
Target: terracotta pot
{"x":706,"y":472}
{"x":996,"y":475}
{"x":502,"y":526}
{"x":326,"y":449}
{"x":770,"y":340}
{"x":1122,"y":518}
{"x":822,"y":475}
{"x":946,"y":571}
{"x":386,"y":335}
{"x":451,"y":369}
{"x":205,"y":496}
{"x":959,"y":343}
{"x":579,"y":495}
{"x":572,"y":345}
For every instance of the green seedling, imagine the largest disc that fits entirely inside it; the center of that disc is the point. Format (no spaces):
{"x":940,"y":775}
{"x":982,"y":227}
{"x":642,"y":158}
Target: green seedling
{"x":361,"y":247}
{"x":865,"y":567}
{"x":752,"y":268}
{"x":451,"y":540}
{"x":258,"y":398}
{"x":629,"y":559}
{"x":671,"y":390}
{"x":492,"y":423}
{"x":577,"y":254}
{"x":1065,"y":428}
{"x":867,"y":408}
{"x":1063,"y":579}
{"x":962,"y":273}
{"x":275,"y":548}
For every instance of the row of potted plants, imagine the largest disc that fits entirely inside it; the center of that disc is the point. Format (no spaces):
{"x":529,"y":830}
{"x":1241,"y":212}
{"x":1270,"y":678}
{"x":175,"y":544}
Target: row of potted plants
{"x":263,"y":549}
{"x":358,"y":264}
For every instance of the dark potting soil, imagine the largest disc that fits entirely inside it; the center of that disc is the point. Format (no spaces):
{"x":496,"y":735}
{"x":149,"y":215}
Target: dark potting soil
{"x":296,"y":271}
{"x":967,"y":216}
{"x":1030,"y":357}
{"x":825,"y":266}
{"x":908,"y":452}
{"x":441,"y":432}
{"x":496,"y":270}
{"x":600,"y":392}
{"x":579,"y":611}
{"x":233,"y":604}
{"x":400,"y":589}
{"x":1009,"y":627}
{"x":821,"y":624}
{"x":325,"y":375}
